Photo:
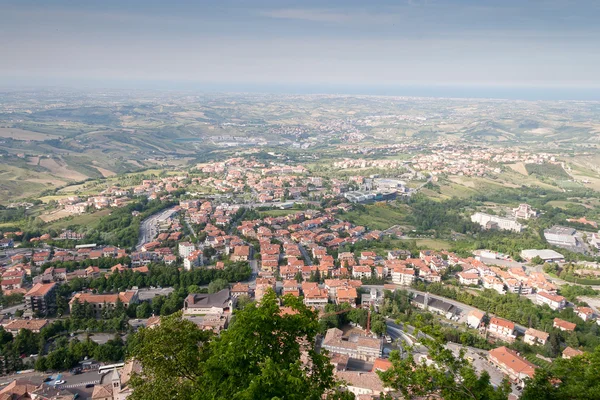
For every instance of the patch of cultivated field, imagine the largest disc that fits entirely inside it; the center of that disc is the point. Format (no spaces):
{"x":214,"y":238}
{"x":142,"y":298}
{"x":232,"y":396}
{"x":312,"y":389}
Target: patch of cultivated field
{"x":49,"y":181}
{"x":54,"y":216}
{"x":433,"y":244}
{"x":105,"y":172}
{"x":520,"y":168}
{"x":21,"y":134}
{"x":33,"y":161}
{"x":61,"y":169}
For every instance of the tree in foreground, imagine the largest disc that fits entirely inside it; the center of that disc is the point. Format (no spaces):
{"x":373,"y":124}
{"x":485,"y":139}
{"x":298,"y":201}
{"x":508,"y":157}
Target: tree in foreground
{"x":265,"y":354}
{"x":447,"y":376}
{"x":574,"y":378}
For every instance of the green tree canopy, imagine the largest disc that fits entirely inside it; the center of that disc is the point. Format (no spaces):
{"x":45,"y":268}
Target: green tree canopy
{"x":258,"y":357}
{"x":448,"y":376}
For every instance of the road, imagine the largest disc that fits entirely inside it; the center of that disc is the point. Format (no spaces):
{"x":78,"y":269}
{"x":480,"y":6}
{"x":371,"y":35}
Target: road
{"x":187,"y":222}
{"x":464,"y":309}
{"x":305,"y":254}
{"x":149,"y":226}
{"x":149,"y":293}
{"x":480,"y":361}
{"x":13,"y":309}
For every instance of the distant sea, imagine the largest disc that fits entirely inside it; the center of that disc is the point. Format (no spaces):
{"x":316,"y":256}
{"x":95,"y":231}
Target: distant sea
{"x":440,"y":91}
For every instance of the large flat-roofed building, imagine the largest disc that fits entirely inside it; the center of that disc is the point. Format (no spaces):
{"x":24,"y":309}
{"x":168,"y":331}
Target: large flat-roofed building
{"x":546,"y":255}
{"x":561,"y":236}
{"x":354,"y":346}
{"x":488,"y":221}
{"x":204,"y":303}
{"x":41,"y":299}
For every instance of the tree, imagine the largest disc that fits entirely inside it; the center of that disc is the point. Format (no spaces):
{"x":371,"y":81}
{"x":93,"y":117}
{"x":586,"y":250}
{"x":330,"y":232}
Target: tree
{"x":243,"y":301}
{"x":537,"y":260}
{"x":258,"y":357}
{"x":170,"y":355}
{"x":144,"y":310}
{"x":577,"y":378}
{"x":447,"y":376}
{"x":217,"y":285}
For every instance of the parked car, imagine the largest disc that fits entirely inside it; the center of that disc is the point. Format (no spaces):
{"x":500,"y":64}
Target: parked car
{"x":60,"y":382}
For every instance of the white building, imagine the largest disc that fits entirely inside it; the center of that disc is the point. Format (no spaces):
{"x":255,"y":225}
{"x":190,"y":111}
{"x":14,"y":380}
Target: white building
{"x":465,"y":278}
{"x":474,"y":318}
{"x":534,"y":337}
{"x":361,"y":271}
{"x":403,"y":276}
{"x":545,"y":255}
{"x":186,"y":249}
{"x":555,"y":301}
{"x":502,"y":328}
{"x":524,"y":211}
{"x":488,"y":221}
{"x":561,"y":236}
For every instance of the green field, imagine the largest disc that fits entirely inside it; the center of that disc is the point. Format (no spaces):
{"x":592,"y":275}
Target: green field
{"x":433,"y":244}
{"x":87,"y":220}
{"x":278,"y":213}
{"x":378,"y":216}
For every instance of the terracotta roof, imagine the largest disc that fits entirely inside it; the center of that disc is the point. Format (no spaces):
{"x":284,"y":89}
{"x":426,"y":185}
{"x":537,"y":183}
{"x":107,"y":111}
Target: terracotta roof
{"x":553,"y":297}
{"x":476,"y":313}
{"x":502,"y":322}
{"x":381,"y":364}
{"x":537,"y":334}
{"x":560,"y":323}
{"x":40,"y":289}
{"x":31,"y":324}
{"x":571,"y":352}
{"x":512,"y":361}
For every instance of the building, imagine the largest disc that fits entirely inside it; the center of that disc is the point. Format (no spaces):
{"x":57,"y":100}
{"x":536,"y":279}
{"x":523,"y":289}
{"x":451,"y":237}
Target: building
{"x":554,"y":301}
{"x":240,"y":289}
{"x":195,"y":259}
{"x":570,"y":352}
{"x":585,"y":313}
{"x":34,"y":325}
{"x":116,"y":386}
{"x":101,"y":302}
{"x":346,"y":295}
{"x":502,"y":329}
{"x":524,"y":211}
{"x":186,"y":249}
{"x":315,"y":297}
{"x":362,"y":384}
{"x":435,"y":305}
{"x":465,"y":278}
{"x":474,"y":318}
{"x":23,"y":389}
{"x":361,"y":271}
{"x":487,"y":221}
{"x":403,"y":276}
{"x":240,"y":253}
{"x":355,"y":346}
{"x":533,"y":337}
{"x":203,"y":303}
{"x":512,"y":364}
{"x":561,"y":236}
{"x":564,"y":325}
{"x":41,"y":299}
{"x":545,"y":255}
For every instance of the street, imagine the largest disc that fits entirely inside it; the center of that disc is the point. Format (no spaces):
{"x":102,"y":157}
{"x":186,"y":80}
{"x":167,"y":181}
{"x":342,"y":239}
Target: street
{"x":149,"y":226}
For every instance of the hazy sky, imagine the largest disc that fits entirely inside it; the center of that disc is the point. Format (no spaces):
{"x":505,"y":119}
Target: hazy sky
{"x":367,"y":42}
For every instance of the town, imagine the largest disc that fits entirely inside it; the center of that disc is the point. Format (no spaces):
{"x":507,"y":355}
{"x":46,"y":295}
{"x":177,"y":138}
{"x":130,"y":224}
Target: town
{"x":223,"y":235}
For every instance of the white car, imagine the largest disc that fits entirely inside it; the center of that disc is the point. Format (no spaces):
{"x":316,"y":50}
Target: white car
{"x":61,"y":382}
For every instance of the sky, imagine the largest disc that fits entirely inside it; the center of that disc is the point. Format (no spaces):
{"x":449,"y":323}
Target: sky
{"x":308,"y":43}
